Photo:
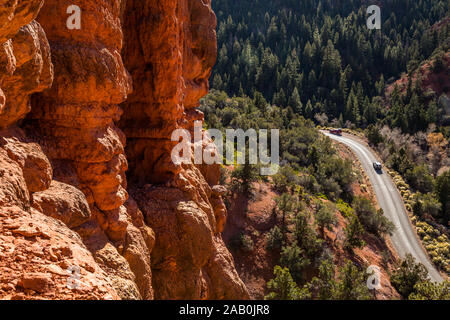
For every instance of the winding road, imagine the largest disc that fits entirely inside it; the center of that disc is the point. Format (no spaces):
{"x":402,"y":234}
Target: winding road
{"x":404,"y":238}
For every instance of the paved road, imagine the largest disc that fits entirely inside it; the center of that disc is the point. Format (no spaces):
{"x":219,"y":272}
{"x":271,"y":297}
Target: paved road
{"x":404,"y":238}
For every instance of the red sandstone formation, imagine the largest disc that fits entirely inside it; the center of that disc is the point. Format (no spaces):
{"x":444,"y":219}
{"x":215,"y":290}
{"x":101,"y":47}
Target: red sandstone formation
{"x":170,"y":60}
{"x":64,"y":203}
{"x":75,"y":121}
{"x":35,"y":250}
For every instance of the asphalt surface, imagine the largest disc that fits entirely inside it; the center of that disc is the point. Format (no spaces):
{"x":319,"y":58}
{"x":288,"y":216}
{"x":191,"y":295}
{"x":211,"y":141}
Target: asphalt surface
{"x":404,"y":238}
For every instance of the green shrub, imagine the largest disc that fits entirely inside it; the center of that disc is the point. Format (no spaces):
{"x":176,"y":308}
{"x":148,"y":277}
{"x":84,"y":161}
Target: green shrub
{"x":292,"y":257}
{"x":325,"y":216}
{"x":247,"y":243}
{"x":345,"y":208}
{"x":407,"y":275}
{"x":428,"y":290}
{"x":426,"y":204}
{"x":243,"y":242}
{"x":420,"y":178}
{"x":353,"y":233}
{"x":306,"y":236}
{"x":373,"y":135}
{"x":373,"y":220}
{"x":283,"y":287}
{"x":351,"y":284}
{"x":274,"y":238}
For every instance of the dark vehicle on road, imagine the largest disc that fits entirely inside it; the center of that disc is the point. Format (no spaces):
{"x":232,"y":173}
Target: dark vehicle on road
{"x":377,"y":166}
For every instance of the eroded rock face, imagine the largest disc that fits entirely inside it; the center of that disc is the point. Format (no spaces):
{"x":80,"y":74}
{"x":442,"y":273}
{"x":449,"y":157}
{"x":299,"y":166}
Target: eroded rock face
{"x":76,"y":116}
{"x":37,"y":247}
{"x":170,"y":60}
{"x":36,"y":252}
{"x":15,"y":14}
{"x":76,"y":122}
{"x":25,"y":64}
{"x":64,"y":202}
{"x":189,"y":258}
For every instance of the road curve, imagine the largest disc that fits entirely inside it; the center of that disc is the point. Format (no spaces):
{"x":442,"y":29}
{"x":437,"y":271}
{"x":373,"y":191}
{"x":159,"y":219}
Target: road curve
{"x":404,"y":238}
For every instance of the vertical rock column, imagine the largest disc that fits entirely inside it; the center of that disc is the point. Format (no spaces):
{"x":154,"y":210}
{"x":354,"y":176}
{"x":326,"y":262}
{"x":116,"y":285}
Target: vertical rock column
{"x":170,"y":48}
{"x":77,"y":114}
{"x":153,"y":53}
{"x":75,"y":122}
{"x":40,"y":245}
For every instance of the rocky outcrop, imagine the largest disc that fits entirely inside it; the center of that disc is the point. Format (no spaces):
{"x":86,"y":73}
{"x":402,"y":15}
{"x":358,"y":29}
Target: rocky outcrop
{"x":71,"y":125}
{"x":36,"y":250}
{"x":170,"y":60}
{"x":75,"y":121}
{"x":25,"y":64}
{"x":189,"y":258}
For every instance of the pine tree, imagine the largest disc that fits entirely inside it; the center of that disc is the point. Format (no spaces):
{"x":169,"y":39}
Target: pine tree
{"x":326,"y":218}
{"x":352,"y":108}
{"x":351,"y":284}
{"x":354,"y":232}
{"x":217,"y":82}
{"x":309,"y":110}
{"x":286,"y":206}
{"x":295,"y":102}
{"x":379,"y":86}
{"x":292,"y":257}
{"x":283,"y":287}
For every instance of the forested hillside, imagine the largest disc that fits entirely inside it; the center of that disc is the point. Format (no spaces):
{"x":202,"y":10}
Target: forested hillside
{"x":293,"y":65}
{"x":319,"y":57}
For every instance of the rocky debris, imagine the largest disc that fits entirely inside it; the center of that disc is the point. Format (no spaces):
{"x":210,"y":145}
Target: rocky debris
{"x":38,"y":257}
{"x":37,"y":281}
{"x":63,"y":202}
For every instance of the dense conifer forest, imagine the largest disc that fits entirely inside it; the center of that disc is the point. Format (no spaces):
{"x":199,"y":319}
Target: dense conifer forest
{"x":319,"y":57}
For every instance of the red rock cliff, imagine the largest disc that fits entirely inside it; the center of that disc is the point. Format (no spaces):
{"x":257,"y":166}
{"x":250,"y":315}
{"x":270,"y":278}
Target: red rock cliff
{"x":170,"y":53}
{"x":64,"y":196}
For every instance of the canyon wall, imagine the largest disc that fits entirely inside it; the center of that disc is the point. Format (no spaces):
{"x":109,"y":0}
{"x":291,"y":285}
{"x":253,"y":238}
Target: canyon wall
{"x":91,"y":205}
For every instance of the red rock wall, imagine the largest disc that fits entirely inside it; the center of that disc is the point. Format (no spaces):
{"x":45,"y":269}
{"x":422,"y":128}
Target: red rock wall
{"x":36,"y":250}
{"x":63,"y":178}
{"x":170,"y":54}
